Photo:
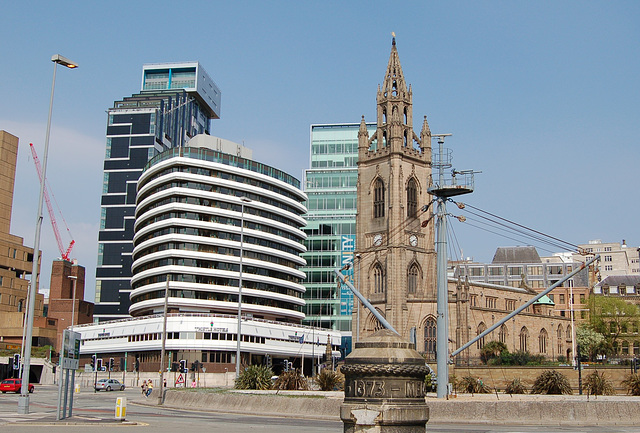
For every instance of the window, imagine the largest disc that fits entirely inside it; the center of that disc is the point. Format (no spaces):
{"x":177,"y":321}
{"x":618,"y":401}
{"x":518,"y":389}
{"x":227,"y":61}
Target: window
{"x":474,"y":300}
{"x":510,"y":304}
{"x":503,"y":334}
{"x":481,"y":328}
{"x":412,"y":198}
{"x":490,"y":302}
{"x":535,"y":270}
{"x":378,"y":200}
{"x":412,"y":278}
{"x":496,"y":270}
{"x":524,"y":337}
{"x":582,"y":298}
{"x":430,"y":337}
{"x":608,"y":258}
{"x":542,"y":341}
{"x":607,"y":249}
{"x":560,"y":346}
{"x":608,"y":267}
{"x":561,"y":298}
{"x":378,"y":279}
{"x":622,"y":290}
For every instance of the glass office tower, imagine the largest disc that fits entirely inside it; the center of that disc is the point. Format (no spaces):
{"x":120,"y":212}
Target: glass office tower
{"x":177,"y":101}
{"x":330,"y":185}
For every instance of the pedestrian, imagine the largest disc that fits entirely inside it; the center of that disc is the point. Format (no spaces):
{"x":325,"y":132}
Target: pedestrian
{"x":165,"y":383}
{"x":149,"y":387}
{"x":144,"y":388}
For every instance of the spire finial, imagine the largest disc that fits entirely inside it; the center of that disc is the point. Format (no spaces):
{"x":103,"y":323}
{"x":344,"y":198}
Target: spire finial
{"x":393,"y":35}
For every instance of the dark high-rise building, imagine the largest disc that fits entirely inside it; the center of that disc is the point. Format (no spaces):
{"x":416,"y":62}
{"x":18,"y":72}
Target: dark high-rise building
{"x":177,"y":101}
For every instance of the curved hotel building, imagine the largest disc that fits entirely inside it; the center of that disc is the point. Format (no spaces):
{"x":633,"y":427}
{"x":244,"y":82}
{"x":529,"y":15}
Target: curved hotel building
{"x":222,"y":232}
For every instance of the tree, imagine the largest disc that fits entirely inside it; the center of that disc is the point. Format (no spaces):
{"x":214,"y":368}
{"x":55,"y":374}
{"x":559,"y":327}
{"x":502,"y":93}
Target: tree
{"x":612,"y":317}
{"x":492,"y":350}
{"x":590,"y":342}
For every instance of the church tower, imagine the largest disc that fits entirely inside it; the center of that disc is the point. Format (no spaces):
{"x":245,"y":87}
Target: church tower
{"x":396,"y":267}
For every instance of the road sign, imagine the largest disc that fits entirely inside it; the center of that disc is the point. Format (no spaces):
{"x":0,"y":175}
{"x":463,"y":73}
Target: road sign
{"x":70,"y":350}
{"x":180,"y":380}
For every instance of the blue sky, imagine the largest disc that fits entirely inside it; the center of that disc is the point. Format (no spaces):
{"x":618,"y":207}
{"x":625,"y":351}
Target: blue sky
{"x":542,"y":97}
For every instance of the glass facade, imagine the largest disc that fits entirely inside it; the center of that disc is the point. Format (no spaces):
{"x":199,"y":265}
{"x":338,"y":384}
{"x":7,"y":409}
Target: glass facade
{"x":330,"y":185}
{"x":138,"y":127}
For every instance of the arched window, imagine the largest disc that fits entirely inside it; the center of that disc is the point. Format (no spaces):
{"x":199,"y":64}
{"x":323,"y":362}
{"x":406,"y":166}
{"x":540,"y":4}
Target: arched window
{"x":430,"y":338}
{"x":378,"y":279}
{"x":503,"y":334}
{"x":20,"y":303}
{"x":412,"y":278}
{"x":481,"y":328}
{"x":560,"y":345}
{"x":378,"y":198}
{"x":524,"y":338}
{"x":542,"y":341}
{"x":412,"y":198}
{"x":406,"y":140}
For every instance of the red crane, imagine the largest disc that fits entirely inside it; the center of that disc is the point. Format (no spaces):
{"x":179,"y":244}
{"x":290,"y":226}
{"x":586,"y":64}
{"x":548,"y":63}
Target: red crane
{"x":64,"y":253}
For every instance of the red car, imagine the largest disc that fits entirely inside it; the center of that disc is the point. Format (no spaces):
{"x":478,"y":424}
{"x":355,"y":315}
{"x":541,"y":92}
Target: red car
{"x":13,"y":385}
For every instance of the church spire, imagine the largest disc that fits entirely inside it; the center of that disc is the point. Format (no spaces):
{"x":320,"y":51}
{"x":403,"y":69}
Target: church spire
{"x":394,"y":84}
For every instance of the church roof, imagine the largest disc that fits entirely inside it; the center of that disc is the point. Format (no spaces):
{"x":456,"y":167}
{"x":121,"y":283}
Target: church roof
{"x":394,"y":82}
{"x":516,"y":255}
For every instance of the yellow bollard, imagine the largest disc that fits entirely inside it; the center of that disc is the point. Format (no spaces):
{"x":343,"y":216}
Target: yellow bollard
{"x":77,"y":388}
{"x":121,"y":408}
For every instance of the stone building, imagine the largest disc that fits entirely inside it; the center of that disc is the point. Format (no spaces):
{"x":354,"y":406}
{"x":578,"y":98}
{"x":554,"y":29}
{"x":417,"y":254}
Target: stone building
{"x":395,"y":251}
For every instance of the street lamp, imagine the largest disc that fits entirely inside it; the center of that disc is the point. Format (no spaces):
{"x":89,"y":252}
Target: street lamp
{"x":243,"y":200}
{"x":73,"y":300}
{"x":23,"y":400}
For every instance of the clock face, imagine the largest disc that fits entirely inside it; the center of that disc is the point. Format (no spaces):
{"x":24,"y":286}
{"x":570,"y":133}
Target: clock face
{"x":413,"y":240}
{"x":377,"y":240}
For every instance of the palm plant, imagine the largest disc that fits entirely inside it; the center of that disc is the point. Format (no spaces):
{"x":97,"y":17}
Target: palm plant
{"x":515,"y":387}
{"x":551,"y":382}
{"x":254,"y":377}
{"x":598,"y":384}
{"x":291,"y":380}
{"x":473,"y":385}
{"x":632,"y":383}
{"x":328,"y":380}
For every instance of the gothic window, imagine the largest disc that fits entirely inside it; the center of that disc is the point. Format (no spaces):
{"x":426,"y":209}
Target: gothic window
{"x":569,"y":333}
{"x":430,"y":338}
{"x":560,"y":347}
{"x":412,"y":278}
{"x":542,"y":341}
{"x":481,"y":328}
{"x":524,"y":337}
{"x":412,"y":198}
{"x":378,"y":199}
{"x":378,"y":279}
{"x":503,"y":334}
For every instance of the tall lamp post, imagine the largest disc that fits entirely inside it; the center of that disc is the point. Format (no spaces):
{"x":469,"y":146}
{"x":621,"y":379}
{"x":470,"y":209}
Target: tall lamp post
{"x":243,"y":200}
{"x":23,"y":400}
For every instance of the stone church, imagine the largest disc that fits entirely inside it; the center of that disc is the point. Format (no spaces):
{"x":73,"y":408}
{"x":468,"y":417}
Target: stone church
{"x":396,"y":257}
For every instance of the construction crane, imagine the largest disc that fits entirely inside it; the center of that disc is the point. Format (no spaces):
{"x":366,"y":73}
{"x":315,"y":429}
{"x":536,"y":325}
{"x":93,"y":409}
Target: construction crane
{"x":63,"y":253}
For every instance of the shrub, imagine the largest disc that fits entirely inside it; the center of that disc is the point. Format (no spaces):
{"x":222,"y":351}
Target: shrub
{"x":473,"y":385}
{"x":254,"y":377}
{"x":329,"y":380}
{"x":291,"y":380}
{"x":597,"y":384}
{"x":632,"y":383}
{"x":515,"y":387}
{"x":551,"y":382}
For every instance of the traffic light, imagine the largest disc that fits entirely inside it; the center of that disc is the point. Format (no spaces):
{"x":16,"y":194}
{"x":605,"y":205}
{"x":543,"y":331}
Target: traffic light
{"x":93,"y":362}
{"x":137,"y":364}
{"x":16,"y":361}
{"x":268,"y":361}
{"x":174,"y":366}
{"x":112,"y":364}
{"x":183,"y":366}
{"x":193,"y":366}
{"x":286,"y":364}
{"x":99,"y":364}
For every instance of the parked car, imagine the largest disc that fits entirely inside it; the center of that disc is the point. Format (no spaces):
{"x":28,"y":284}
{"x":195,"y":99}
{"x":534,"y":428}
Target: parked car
{"x":14,"y":385}
{"x":109,"y":385}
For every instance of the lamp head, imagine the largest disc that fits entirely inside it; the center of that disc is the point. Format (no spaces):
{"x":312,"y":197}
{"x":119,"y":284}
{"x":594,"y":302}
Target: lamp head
{"x":61,"y":60}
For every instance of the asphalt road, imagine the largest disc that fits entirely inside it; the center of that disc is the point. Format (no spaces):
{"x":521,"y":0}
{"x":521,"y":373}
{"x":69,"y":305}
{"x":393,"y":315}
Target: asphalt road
{"x":94,"y":412}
